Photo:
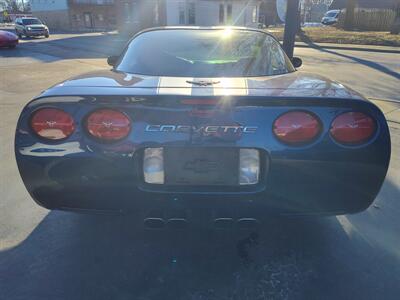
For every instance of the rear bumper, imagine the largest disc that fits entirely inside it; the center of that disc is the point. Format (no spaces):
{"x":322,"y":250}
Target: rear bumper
{"x":36,"y":33}
{"x":291,"y":186}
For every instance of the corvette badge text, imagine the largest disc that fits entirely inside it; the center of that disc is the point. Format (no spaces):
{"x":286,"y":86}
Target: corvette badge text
{"x":209,"y":129}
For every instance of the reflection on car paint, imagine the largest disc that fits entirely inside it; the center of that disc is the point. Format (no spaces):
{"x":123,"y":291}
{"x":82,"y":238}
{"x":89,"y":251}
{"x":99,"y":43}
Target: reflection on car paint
{"x":305,"y":84}
{"x":46,"y":150}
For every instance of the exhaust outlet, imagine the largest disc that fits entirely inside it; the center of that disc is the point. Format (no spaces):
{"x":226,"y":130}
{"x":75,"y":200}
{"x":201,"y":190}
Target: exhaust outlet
{"x":154,"y":223}
{"x":177,"y":219}
{"x":248,"y":223}
{"x":223,"y":223}
{"x":154,"y":220}
{"x":177,"y":223}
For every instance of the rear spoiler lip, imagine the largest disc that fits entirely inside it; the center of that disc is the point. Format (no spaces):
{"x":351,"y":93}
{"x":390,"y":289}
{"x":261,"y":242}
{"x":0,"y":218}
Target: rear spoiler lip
{"x":276,"y":92}
{"x":249,"y":100}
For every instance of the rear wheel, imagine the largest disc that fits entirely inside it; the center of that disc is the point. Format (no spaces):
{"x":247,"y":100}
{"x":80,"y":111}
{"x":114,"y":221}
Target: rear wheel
{"x":46,"y":35}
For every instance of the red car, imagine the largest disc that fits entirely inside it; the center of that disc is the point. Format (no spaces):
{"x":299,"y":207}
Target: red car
{"x":8,"y":39}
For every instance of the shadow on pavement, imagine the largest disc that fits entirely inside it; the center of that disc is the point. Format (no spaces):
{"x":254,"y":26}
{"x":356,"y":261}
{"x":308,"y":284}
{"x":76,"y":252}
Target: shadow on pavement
{"x":69,"y":47}
{"x":71,"y":256}
{"x":364,"y":62}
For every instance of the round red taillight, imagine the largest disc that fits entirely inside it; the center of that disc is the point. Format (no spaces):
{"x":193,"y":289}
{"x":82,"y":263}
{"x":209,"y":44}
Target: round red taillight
{"x":108,"y":124}
{"x":52,"y":123}
{"x":297,"y":127}
{"x":352,"y":128}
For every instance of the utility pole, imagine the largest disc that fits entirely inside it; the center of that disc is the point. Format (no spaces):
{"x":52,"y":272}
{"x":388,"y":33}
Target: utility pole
{"x":291,"y":26}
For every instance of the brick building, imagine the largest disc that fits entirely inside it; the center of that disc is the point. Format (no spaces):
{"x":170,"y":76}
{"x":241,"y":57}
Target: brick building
{"x":96,"y":14}
{"x":84,"y":15}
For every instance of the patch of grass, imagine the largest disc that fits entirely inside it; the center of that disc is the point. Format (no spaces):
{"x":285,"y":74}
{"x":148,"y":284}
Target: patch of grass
{"x":338,"y":36}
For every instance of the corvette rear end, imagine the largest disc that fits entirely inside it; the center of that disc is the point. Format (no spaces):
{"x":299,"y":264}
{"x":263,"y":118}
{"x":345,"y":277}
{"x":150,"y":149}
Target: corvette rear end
{"x":177,"y":148}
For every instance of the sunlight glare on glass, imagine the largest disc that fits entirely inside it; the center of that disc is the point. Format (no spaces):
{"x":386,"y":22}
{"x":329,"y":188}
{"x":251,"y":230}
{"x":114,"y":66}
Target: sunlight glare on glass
{"x":227,"y":33}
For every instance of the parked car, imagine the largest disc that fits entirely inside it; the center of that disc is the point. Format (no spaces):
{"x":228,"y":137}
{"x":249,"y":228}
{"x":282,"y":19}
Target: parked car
{"x":331,"y":17}
{"x":30,"y":27}
{"x":213,"y":124}
{"x":8,"y":39}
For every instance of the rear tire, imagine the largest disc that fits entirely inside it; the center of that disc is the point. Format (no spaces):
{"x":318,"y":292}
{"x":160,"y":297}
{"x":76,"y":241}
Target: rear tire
{"x":46,"y":36}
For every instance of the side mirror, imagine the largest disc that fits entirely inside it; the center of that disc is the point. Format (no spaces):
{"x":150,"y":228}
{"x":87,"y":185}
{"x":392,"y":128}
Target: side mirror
{"x":112,"y":60}
{"x":297,"y":62}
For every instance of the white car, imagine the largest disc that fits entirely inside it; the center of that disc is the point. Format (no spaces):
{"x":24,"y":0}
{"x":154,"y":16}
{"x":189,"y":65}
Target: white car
{"x":30,"y":26}
{"x":331,"y":17}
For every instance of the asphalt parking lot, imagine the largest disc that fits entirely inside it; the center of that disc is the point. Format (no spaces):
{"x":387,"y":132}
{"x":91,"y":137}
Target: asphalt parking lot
{"x":61,"y":255}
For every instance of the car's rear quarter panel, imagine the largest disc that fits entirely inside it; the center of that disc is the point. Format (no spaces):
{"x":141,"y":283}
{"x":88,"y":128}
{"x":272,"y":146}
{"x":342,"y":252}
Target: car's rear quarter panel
{"x":320,"y":178}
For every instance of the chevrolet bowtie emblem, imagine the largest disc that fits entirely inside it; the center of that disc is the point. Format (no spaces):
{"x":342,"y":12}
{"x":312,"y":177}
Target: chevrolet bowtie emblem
{"x":202,"y":82}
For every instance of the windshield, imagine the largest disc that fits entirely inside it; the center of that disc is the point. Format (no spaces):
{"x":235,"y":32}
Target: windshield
{"x":205,"y":53}
{"x":31,"y":21}
{"x":331,"y":14}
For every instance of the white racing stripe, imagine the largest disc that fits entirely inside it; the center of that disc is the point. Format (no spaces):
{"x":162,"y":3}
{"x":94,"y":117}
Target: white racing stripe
{"x":221,"y":87}
{"x":231,"y":86}
{"x":174,"y":86}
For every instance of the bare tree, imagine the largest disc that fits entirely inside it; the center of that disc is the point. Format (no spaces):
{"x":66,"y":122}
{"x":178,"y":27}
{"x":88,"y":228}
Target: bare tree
{"x":349,"y":17}
{"x":14,"y":6}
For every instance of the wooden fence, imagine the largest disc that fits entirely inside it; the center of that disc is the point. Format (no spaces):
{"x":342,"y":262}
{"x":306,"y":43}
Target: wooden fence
{"x":371,"y":19}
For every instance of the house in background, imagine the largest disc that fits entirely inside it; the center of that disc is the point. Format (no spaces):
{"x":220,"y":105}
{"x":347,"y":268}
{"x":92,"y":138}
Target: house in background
{"x":131,"y":16}
{"x":268,"y":14}
{"x":52,"y":12}
{"x":135,"y":15}
{"x":213,"y":12}
{"x":93,"y":14}
{"x":78,"y":15}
